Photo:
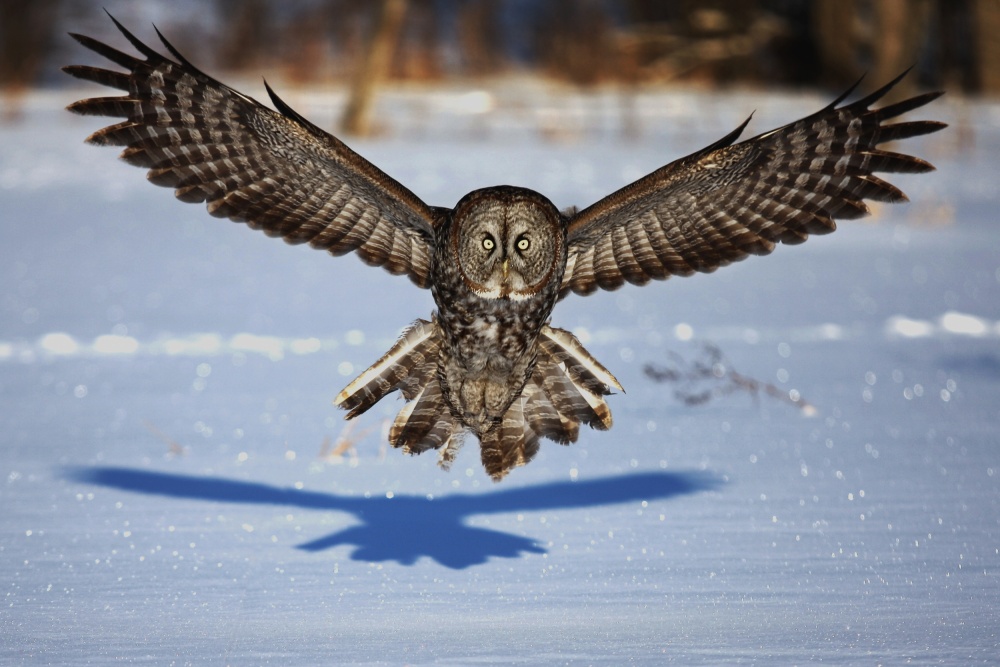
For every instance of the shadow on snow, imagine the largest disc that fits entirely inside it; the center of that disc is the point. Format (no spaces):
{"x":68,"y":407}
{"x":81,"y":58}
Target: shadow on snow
{"x":405,"y":527}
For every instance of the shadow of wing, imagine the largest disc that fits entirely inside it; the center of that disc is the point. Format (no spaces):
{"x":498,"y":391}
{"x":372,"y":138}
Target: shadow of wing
{"x":405,"y":528}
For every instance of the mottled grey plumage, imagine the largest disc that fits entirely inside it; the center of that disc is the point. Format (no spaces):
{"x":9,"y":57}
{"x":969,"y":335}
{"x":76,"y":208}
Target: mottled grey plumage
{"x":488,"y":362}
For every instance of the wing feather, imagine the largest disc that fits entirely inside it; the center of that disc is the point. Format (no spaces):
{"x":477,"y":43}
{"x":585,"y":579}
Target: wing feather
{"x":275,"y":171}
{"x":731,"y":200}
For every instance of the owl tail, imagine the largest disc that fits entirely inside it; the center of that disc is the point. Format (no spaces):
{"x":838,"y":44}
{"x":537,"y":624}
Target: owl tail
{"x":565,"y":389}
{"x":407,"y":366}
{"x":410,"y":366}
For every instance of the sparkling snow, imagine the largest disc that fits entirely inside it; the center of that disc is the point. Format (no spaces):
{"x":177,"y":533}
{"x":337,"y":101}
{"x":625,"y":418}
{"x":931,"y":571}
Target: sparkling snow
{"x":178,"y":488}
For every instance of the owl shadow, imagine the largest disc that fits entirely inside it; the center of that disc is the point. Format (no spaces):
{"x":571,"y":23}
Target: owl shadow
{"x":405,"y":528}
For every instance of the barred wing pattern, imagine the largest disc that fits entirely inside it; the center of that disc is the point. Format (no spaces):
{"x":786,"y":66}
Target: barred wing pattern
{"x":275,"y":171}
{"x":728,"y":201}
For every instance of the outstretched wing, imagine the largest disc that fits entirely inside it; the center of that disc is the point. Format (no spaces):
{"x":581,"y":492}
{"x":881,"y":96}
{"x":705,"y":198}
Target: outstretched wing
{"x":275,"y":171}
{"x":728,"y":201}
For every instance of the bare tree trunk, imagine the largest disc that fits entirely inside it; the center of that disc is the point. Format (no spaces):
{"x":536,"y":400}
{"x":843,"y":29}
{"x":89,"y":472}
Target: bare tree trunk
{"x":245,"y":38}
{"x":900,"y":26}
{"x":986,"y":17}
{"x":26,"y":31}
{"x":835,"y":28}
{"x":374,"y":67}
{"x":480,"y":37}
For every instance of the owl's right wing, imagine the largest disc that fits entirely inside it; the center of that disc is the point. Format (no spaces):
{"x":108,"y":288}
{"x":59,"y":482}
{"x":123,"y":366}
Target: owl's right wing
{"x":275,"y":171}
{"x":729,"y":200}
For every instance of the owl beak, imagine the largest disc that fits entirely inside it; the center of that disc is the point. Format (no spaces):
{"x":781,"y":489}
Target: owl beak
{"x":504,"y":275}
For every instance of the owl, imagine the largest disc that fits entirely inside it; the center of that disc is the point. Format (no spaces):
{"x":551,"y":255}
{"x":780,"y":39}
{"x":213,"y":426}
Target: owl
{"x":488,"y":362}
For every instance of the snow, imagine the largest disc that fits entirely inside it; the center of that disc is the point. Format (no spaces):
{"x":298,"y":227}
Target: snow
{"x":178,"y":489}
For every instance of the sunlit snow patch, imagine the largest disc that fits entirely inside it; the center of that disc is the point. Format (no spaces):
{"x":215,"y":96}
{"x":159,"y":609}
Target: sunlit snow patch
{"x":907,"y":328}
{"x":950,"y":324}
{"x":58,"y":344}
{"x":683,"y":331}
{"x":960,"y":323}
{"x":193,"y":345}
{"x":831,"y":331}
{"x":269,"y":346}
{"x":112,"y":344}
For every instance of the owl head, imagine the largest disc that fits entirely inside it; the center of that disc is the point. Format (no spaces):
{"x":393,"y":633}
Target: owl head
{"x":509,"y":242}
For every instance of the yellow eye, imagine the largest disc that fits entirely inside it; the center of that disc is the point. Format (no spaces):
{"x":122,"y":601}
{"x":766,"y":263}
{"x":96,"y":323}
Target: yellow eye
{"x":488,"y":243}
{"x":523,"y":244}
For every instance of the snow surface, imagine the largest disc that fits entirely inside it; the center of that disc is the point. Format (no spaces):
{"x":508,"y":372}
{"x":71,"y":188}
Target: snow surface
{"x":171,"y":494}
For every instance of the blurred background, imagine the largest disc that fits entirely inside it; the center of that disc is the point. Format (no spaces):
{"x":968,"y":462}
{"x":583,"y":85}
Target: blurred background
{"x":356,"y":45}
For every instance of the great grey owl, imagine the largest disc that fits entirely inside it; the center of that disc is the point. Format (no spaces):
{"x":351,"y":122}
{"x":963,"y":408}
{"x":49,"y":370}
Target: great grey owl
{"x":488,"y":360}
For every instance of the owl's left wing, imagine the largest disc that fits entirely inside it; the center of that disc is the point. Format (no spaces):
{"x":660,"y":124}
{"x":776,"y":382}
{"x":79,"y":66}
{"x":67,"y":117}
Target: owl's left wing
{"x":275,"y":171}
{"x":729,"y":201}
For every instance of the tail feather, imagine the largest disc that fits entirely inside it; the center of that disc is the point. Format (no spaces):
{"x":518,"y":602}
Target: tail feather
{"x":542,"y":416}
{"x":452,"y":444}
{"x":563,"y":347}
{"x":563,"y":396}
{"x":510,"y":444}
{"x":409,"y":366}
{"x":565,"y":389}
{"x":422,"y":424}
{"x":570,"y":400}
{"x":426,"y":423}
{"x":403,"y":367}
